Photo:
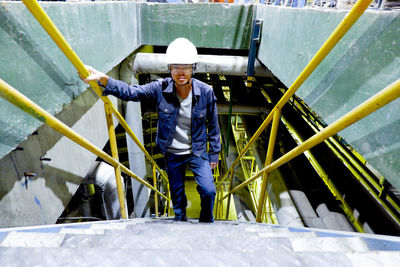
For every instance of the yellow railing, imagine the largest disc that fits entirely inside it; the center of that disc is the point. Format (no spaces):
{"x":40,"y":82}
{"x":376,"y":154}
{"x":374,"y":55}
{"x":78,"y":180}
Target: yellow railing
{"x":250,"y":167}
{"x":28,"y":106}
{"x":374,"y":103}
{"x":13,"y":96}
{"x":382,"y":98}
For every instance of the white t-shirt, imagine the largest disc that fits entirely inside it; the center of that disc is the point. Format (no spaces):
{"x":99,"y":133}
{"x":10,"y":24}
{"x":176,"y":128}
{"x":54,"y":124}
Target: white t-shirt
{"x":182,"y":142}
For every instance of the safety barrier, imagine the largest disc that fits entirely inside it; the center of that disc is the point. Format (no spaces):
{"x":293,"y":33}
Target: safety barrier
{"x":13,"y":96}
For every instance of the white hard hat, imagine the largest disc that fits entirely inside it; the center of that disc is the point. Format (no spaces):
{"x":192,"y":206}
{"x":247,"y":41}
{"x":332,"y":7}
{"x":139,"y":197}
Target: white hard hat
{"x":181,"y":51}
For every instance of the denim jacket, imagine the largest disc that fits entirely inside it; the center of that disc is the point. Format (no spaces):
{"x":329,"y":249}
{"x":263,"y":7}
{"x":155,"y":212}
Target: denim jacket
{"x":204,"y":112}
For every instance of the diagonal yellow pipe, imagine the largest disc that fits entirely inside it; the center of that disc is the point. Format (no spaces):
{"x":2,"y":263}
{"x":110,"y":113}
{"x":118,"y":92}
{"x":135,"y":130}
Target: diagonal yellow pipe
{"x":125,"y":125}
{"x":268,"y":160}
{"x":13,"y":96}
{"x":42,"y":17}
{"x":347,"y":22}
{"x":46,"y":22}
{"x":55,"y":34}
{"x":114,"y":154}
{"x":369,"y":106}
{"x":155,"y":194}
{"x":48,"y":25}
{"x":325,"y":177}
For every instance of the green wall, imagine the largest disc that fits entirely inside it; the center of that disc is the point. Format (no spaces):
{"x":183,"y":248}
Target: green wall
{"x":364,"y":62}
{"x":101,"y":34}
{"x":206,"y":25}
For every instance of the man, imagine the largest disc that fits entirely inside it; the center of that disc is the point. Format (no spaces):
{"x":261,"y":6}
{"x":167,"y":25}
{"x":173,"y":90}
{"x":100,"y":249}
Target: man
{"x":187,"y":121}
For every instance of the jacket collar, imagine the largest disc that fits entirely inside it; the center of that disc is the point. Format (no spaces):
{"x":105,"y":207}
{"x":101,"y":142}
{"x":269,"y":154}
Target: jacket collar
{"x":195,"y":88}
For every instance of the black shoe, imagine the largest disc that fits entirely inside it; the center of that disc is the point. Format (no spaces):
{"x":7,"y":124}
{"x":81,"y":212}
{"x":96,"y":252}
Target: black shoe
{"x":180,"y":218}
{"x":206,"y":220}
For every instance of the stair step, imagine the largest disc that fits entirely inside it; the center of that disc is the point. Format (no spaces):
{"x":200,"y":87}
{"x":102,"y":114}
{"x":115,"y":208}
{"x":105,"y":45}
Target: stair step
{"x":32,"y":239}
{"x":333,"y":244}
{"x":198,"y":257}
{"x":162,"y":241}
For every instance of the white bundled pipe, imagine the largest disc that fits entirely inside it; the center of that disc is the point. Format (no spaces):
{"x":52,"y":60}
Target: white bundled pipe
{"x":225,"y":65}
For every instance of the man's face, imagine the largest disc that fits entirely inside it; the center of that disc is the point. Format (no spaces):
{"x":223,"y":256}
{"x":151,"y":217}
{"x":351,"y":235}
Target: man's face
{"x":181,"y":73}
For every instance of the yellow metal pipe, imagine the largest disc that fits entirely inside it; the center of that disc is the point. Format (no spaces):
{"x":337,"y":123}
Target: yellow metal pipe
{"x":372,"y":104}
{"x":250,"y":143}
{"x":347,"y":22}
{"x":220,"y":204}
{"x":268,"y":160}
{"x":42,"y":17}
{"x":155,"y":194}
{"x":125,"y":125}
{"x":25,"y":104}
{"x":114,"y":154}
{"x":222,"y":207}
{"x":356,"y":168}
{"x":349,"y":161}
{"x":269,"y":212}
{"x":324,"y":176}
{"x":46,"y":22}
{"x":217,"y":197}
{"x":169,"y":198}
{"x":217,"y":204}
{"x":140,"y":180}
{"x":229,"y":199}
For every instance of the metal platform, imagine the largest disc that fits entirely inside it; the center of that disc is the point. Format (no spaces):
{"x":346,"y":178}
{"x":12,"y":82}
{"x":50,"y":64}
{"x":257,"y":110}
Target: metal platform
{"x":146,"y":242}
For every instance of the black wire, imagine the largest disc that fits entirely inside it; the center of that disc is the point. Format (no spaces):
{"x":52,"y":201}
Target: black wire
{"x":15,"y":166}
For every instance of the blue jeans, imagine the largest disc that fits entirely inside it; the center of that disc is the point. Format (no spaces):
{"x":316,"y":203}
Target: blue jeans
{"x":200,"y":166}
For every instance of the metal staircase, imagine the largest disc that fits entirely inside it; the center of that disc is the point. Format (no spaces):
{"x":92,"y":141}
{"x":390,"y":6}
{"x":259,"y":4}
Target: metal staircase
{"x":146,"y":242}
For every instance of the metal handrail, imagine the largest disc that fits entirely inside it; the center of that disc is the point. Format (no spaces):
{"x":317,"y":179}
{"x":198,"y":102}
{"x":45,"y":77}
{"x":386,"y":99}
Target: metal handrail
{"x":48,"y":25}
{"x":347,"y":22}
{"x":332,"y":40}
{"x":125,"y":125}
{"x":369,"y":106}
{"x":25,"y":104}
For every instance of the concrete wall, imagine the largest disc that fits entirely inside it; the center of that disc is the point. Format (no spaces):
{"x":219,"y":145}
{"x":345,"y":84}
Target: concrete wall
{"x":41,"y":199}
{"x":365,"y":61}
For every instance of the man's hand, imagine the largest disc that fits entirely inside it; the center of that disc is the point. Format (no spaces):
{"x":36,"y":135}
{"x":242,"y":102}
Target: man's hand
{"x":95,"y":75}
{"x":213,"y":165}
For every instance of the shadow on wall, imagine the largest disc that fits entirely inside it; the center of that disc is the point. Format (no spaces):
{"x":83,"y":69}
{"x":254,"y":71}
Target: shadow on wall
{"x":244,"y":42}
{"x":37,"y":200}
{"x":27,"y":166}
